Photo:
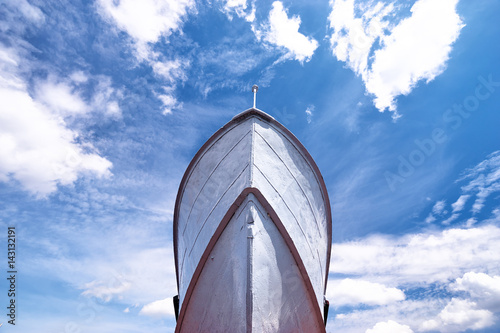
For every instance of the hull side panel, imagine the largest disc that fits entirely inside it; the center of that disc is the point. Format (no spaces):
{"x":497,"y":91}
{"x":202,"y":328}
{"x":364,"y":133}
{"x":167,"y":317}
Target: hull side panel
{"x":219,"y":176}
{"x":298,"y":166}
{"x":280,"y":299}
{"x":218,"y":301}
{"x":283,"y":173}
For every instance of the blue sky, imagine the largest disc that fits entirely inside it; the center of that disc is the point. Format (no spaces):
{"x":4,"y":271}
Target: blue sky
{"x":104,"y":103}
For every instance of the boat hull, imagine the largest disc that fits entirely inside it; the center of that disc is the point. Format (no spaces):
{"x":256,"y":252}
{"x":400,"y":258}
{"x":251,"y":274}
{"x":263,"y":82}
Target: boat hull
{"x":252,"y":233}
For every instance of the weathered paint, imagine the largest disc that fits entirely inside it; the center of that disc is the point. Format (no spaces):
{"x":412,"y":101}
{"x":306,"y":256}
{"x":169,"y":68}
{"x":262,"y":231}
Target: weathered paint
{"x":253,"y":167}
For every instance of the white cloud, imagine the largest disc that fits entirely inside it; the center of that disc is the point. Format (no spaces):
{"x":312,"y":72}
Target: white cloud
{"x":353,"y":292}
{"x":415,"y":49}
{"x":422,"y":265}
{"x":240,"y":8}
{"x":459,"y":315}
{"x":79,"y":77}
{"x":409,"y":312}
{"x":146,"y":21}
{"x":484,"y":289}
{"x":460,"y":203}
{"x":173,"y":72}
{"x":169,"y":103}
{"x":161,"y":308}
{"x":61,"y":98}
{"x":419,"y":258}
{"x":37,"y":148}
{"x":353,"y":37}
{"x":389,"y":326}
{"x":284,"y":32}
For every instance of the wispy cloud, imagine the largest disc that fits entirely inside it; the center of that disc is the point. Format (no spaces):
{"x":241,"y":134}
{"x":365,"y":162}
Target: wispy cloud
{"x":438,"y":211}
{"x":450,"y":219}
{"x":147,"y":23}
{"x":113,"y":273}
{"x":236,"y":58}
{"x":460,"y":203}
{"x":105,"y":290}
{"x":484,"y":180}
{"x":32,"y":13}
{"x":283,"y":32}
{"x":309,"y":113}
{"x":171,"y":71}
{"x":438,"y":208}
{"x":240,"y":8}
{"x":392,"y":58}
{"x":174,"y":73}
{"x":430,"y":218}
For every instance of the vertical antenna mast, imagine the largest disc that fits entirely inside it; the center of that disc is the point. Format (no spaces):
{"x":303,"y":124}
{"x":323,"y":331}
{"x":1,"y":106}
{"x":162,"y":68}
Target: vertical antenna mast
{"x":254,"y":90}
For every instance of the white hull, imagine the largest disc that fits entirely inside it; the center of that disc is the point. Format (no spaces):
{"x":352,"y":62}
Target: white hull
{"x":252,"y":233}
